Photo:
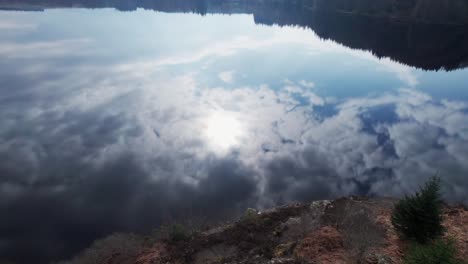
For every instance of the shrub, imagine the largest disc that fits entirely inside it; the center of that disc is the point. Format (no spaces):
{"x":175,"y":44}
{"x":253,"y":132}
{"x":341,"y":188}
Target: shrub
{"x":439,"y":252}
{"x":172,"y":233}
{"x":178,"y":232}
{"x":419,"y":217}
{"x":250,"y":214}
{"x":183,"y":229}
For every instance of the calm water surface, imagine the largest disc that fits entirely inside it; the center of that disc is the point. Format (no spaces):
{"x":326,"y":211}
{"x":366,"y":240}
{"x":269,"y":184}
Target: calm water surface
{"x":117,"y":121}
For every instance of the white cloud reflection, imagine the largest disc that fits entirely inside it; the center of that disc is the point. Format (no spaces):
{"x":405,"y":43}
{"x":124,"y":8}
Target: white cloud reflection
{"x":43,"y":49}
{"x":7,"y":25}
{"x":175,"y":120}
{"x":177,"y":117}
{"x":165,"y":118}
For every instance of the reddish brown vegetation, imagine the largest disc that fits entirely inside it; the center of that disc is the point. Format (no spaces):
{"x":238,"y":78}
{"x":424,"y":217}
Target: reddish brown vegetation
{"x":456,"y":223}
{"x":157,"y":254}
{"x":348,"y":230}
{"x":324,"y":245}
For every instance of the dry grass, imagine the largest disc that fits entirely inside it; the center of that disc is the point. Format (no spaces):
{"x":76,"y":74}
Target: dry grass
{"x":456,"y":223}
{"x":325,"y":245}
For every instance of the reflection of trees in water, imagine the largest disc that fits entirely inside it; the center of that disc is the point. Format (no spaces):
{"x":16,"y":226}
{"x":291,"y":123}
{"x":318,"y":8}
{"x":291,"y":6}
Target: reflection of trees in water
{"x":430,"y":47}
{"x":387,"y":28}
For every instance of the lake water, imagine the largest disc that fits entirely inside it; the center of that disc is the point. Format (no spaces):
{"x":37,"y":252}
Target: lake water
{"x":119,"y":121}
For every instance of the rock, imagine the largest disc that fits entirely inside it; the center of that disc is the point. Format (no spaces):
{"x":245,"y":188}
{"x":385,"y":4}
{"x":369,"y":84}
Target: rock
{"x":382,"y":259}
{"x":217,"y":230}
{"x":310,"y":219}
{"x":293,"y":221}
{"x":322,"y":204}
{"x":378,"y":258}
{"x":215,"y":254}
{"x":284,"y":250}
{"x":282,"y":261}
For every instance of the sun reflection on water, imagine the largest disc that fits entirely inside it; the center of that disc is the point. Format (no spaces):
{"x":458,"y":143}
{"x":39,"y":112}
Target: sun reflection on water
{"x":223,"y":130}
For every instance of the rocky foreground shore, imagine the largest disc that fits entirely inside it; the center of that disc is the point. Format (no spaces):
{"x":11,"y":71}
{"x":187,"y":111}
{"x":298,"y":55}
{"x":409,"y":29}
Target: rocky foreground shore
{"x":346,"y":230}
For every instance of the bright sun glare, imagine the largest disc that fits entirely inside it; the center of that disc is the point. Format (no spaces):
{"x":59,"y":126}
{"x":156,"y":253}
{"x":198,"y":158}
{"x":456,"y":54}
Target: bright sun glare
{"x":223,"y":130}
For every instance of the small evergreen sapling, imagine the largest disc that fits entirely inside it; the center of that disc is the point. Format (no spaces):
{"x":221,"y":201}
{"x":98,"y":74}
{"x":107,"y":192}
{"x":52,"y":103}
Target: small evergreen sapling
{"x":419,"y":217}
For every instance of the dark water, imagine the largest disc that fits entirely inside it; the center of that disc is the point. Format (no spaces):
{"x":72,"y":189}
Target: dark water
{"x":118,"y":121}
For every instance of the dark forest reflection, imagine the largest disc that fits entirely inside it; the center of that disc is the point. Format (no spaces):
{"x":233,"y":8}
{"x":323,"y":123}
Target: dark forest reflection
{"x":387,"y":31}
{"x":118,"y":121}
